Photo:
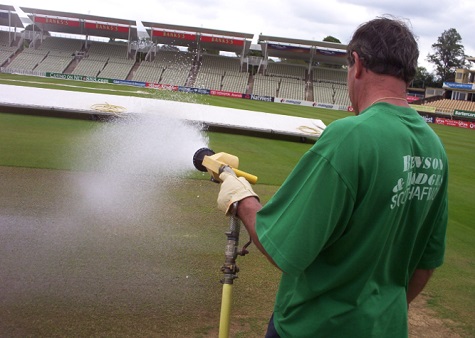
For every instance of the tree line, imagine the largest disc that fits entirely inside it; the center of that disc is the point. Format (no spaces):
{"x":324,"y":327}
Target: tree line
{"x":448,"y":56}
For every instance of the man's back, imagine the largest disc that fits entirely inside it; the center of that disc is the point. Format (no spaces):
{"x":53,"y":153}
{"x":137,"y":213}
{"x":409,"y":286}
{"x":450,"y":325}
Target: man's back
{"x":359,"y":225}
{"x":368,"y":210}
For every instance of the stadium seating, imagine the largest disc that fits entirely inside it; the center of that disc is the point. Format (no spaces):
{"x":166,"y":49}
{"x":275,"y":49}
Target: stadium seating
{"x":4,"y":38}
{"x":60,"y":53}
{"x":341,"y":95}
{"x":148,"y":72}
{"x":168,"y":67}
{"x":6,"y":53}
{"x":57,"y":45}
{"x":221,"y":73}
{"x":53,"y":54}
{"x":175,"y":77}
{"x":9,"y":40}
{"x":292,"y":89}
{"x":104,"y":59}
{"x":6,"y":50}
{"x":28,"y":59}
{"x":117,"y":69}
{"x":235,"y":82}
{"x":219,"y":64}
{"x":208,"y":80}
{"x":265,"y":85}
{"x":332,"y":75}
{"x":323,"y":92}
{"x":448,"y":106}
{"x":53,"y":63}
{"x":103,"y":50}
{"x":173,"y":67}
{"x":88,"y":67}
{"x":174,"y":59}
{"x":165,"y":66}
{"x":280,"y":69}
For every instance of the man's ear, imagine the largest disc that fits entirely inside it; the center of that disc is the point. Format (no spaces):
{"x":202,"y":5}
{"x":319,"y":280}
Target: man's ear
{"x":358,"y":65}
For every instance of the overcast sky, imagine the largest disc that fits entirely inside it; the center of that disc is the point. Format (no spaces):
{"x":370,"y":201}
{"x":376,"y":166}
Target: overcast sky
{"x":299,"y":19}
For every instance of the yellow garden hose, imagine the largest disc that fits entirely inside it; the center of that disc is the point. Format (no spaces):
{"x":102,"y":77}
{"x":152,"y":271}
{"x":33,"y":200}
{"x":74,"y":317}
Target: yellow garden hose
{"x":225,"y":316}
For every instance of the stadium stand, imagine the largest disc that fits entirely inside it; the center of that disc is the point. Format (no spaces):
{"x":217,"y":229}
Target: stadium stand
{"x":5,"y":54}
{"x":60,"y":52}
{"x":341,"y":94}
{"x":166,"y":64}
{"x":54,"y":63}
{"x":265,"y":85}
{"x":4,"y":39}
{"x":329,"y":85}
{"x":280,"y":69}
{"x":174,"y":59}
{"x":60,"y":45}
{"x":292,"y":89}
{"x":208,"y":80}
{"x":321,"y":74}
{"x":221,"y":73}
{"x":169,"y":67}
{"x":174,"y":76}
{"x":6,"y":51}
{"x":117,"y":69}
{"x":448,"y":106}
{"x":28,"y":59}
{"x":88,"y":67}
{"x":165,"y":61}
{"x":99,"y":50}
{"x":107,"y":60}
{"x":235,"y":82}
{"x":323,"y":92}
{"x":148,"y":72}
{"x":219,"y":64}
{"x":50,"y":55}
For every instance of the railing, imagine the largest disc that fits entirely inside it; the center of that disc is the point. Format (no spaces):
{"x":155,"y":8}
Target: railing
{"x":22,"y":72}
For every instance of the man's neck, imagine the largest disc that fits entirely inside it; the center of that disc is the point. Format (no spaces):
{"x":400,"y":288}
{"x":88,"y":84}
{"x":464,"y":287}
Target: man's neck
{"x":383,"y":88}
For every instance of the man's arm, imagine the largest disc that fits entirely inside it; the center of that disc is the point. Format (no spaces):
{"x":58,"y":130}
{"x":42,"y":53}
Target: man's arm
{"x":246,"y":211}
{"x":417,"y":283}
{"x":234,"y":189}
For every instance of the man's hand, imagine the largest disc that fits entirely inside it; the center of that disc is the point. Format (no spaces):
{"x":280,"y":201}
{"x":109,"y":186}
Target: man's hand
{"x":417,"y":283}
{"x":233,"y":189}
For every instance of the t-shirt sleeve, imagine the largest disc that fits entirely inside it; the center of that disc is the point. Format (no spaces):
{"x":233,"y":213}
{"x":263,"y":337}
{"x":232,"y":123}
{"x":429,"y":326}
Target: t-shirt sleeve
{"x":306,"y":214}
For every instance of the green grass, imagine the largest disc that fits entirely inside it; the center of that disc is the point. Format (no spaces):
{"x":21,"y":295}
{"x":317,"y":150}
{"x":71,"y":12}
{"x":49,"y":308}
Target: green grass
{"x":453,"y":286}
{"x":29,"y":141}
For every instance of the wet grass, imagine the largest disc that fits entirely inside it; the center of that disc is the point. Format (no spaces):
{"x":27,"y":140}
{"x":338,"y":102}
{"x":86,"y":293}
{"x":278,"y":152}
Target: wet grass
{"x":141,"y":273}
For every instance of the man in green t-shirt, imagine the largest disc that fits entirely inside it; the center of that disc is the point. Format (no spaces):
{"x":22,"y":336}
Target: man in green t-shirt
{"x":359,"y":225}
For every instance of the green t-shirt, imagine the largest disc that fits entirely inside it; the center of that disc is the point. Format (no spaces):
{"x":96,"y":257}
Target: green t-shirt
{"x":364,"y":208}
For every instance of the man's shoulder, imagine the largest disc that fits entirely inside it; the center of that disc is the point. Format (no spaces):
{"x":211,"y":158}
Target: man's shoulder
{"x":339,"y":135}
{"x":342,"y":123}
{"x":344,"y":127}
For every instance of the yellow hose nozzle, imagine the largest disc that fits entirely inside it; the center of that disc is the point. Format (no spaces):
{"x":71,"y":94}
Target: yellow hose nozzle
{"x":206,"y":160}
